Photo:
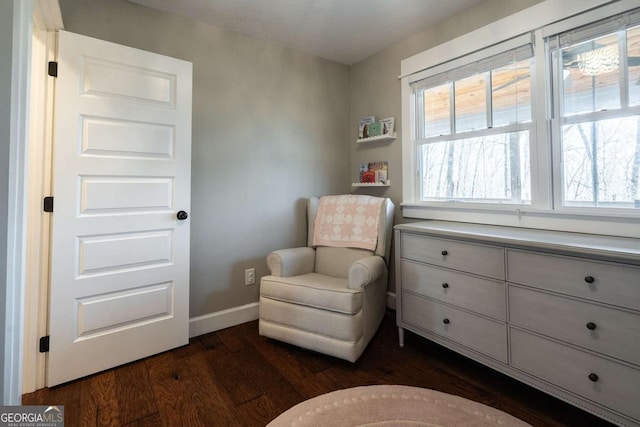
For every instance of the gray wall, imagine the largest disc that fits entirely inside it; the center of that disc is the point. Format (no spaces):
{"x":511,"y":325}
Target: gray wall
{"x":375,"y":89}
{"x":271,"y":126}
{"x":269,"y":129}
{"x":6,"y":39}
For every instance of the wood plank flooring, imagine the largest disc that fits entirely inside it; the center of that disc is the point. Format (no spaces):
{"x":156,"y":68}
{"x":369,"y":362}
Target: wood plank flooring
{"x":235,"y":377}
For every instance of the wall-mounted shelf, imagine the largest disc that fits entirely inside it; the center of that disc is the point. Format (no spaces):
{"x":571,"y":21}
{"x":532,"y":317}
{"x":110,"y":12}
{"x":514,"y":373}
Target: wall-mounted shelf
{"x":371,"y":184}
{"x":389,"y":137}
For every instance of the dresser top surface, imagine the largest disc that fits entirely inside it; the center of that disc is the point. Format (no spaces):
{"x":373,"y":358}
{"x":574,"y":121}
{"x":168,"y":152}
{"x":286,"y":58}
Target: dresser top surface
{"x":610,"y":247}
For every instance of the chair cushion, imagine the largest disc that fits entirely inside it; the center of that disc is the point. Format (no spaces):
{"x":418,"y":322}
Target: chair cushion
{"x":337,"y":261}
{"x":313,"y":290}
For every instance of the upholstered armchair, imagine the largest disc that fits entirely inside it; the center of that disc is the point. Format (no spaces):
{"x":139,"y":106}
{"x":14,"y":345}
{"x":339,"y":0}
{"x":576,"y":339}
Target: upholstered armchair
{"x":330,"y":296}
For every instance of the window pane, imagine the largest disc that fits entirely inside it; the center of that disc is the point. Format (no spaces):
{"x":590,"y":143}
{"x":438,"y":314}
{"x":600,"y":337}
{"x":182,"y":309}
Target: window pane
{"x":633,"y":58}
{"x":492,"y":168}
{"x":471,"y":103}
{"x":601,"y":163}
{"x":591,"y":75}
{"x":437,"y":110}
{"x":511,"y":93}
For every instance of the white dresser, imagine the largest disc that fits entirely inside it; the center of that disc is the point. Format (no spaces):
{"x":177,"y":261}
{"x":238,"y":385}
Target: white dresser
{"x":559,"y":311}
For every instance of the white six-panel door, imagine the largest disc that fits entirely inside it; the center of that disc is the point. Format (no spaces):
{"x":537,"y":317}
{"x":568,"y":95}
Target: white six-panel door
{"x":121,"y":173}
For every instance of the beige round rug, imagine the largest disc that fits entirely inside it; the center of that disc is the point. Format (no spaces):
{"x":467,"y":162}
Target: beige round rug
{"x":393,"y":405}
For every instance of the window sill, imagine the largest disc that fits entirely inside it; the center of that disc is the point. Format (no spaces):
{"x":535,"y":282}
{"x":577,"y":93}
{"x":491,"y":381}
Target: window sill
{"x":613,"y":224}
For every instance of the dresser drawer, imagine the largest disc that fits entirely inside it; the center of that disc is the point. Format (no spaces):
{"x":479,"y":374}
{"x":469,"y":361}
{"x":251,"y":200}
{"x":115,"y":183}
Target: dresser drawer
{"x":616,"y":284}
{"x":478,"y":259}
{"x":616,"y":385}
{"x":613,"y":332}
{"x":484,"y":296}
{"x":481,"y":334}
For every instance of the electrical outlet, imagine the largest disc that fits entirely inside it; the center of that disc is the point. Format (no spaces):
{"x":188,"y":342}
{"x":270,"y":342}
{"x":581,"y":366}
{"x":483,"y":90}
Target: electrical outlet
{"x":250,"y":276}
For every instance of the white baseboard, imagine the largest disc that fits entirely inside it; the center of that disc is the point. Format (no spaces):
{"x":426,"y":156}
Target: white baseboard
{"x":391,"y":300}
{"x":222,"y":319}
{"x":237,"y":315}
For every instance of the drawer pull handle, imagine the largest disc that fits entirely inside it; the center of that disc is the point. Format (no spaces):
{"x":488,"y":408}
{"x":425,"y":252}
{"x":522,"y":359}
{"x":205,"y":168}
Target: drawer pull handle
{"x":445,"y":285}
{"x":445,"y":253}
{"x":593,"y":377}
{"x":591,"y":326}
{"x":589,"y":279}
{"x":446,"y":321}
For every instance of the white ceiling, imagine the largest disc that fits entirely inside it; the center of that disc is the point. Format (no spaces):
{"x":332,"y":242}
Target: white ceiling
{"x":345,"y":31}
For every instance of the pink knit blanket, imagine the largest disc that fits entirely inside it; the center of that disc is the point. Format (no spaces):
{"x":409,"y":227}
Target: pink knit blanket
{"x":347,"y":221}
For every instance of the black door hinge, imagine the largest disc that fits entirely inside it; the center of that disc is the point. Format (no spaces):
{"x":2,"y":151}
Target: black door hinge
{"x":53,"y":69}
{"x":44,"y":344}
{"x":48,"y":204}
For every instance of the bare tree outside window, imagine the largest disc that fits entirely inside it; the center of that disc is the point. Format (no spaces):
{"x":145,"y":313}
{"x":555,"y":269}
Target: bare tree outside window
{"x":600,"y":160}
{"x":473,"y":150}
{"x":478,"y":169}
{"x":601,"y":156}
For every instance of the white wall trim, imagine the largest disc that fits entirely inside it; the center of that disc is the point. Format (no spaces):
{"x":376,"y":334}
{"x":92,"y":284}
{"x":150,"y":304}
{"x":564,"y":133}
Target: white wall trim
{"x":47,"y":18}
{"x":47,"y":15}
{"x":223,"y":319}
{"x":528,"y":218}
{"x":529,"y":19}
{"x":38,"y":222}
{"x":16,"y":224}
{"x":35,"y":234}
{"x":234,"y":316}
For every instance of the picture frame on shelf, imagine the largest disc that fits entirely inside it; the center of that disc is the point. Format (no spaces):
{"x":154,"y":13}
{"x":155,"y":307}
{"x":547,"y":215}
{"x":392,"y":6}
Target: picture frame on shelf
{"x":388,"y":126}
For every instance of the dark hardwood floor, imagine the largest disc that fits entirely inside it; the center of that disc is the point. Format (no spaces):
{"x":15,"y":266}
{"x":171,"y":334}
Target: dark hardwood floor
{"x":236,"y":377}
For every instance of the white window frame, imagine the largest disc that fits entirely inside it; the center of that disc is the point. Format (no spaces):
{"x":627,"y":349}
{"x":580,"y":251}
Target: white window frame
{"x":560,"y":119}
{"x":523,"y":42}
{"x":544,"y":19}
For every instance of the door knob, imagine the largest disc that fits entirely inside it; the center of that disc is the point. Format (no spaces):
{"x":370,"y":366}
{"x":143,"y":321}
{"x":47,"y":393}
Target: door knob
{"x":182,"y":215}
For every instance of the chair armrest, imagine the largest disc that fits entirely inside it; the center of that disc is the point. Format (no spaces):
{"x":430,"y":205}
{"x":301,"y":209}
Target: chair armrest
{"x":365,"y":271}
{"x":291,"y":262}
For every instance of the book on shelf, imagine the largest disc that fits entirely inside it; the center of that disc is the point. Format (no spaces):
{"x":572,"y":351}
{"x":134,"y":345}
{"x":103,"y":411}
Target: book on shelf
{"x":370,"y":128}
{"x":363,"y":126}
{"x":374,"y":172}
{"x":388,"y":126}
{"x":375,"y":129}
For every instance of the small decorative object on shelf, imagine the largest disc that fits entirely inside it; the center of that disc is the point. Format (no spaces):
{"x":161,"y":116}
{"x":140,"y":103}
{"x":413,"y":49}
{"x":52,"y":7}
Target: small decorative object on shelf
{"x":363,"y":126}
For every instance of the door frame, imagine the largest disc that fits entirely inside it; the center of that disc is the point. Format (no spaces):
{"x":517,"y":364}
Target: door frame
{"x":43,"y":18}
{"x":13,"y":310}
{"x":38,"y":222}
